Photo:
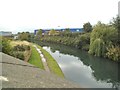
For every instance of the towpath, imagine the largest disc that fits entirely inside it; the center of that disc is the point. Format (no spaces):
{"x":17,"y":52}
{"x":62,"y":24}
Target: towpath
{"x":43,"y":59}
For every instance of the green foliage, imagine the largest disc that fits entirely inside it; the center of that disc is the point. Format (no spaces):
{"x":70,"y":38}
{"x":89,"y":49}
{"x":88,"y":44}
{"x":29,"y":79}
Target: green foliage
{"x":18,"y":54}
{"x":52,"y":32}
{"x":21,"y":47}
{"x":5,"y":44}
{"x":116,"y":23}
{"x":67,"y":30}
{"x":39,"y":34}
{"x":102,"y":37}
{"x":87,"y":27}
{"x":18,"y":51}
{"x":0,"y":43}
{"x":114,"y":53}
{"x":66,"y":33}
{"x":24,"y":36}
{"x":79,"y":40}
{"x":97,"y":47}
{"x":84,"y":40}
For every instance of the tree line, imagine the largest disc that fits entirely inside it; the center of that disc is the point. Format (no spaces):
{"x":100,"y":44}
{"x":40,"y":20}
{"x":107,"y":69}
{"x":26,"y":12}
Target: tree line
{"x":99,"y":40}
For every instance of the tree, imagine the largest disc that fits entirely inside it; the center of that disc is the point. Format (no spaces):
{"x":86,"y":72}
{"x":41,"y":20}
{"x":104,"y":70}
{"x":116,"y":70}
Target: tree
{"x":24,"y":36}
{"x":102,"y":37}
{"x":87,"y":27}
{"x":52,"y":32}
{"x":6,"y":47}
{"x":116,"y":23}
{"x":67,"y":30}
{"x":39,"y":34}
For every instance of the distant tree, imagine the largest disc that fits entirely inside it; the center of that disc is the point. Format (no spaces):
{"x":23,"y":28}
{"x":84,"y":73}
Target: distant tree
{"x":24,"y":36}
{"x":39,"y":34}
{"x":67,"y":30}
{"x":116,"y":23}
{"x":87,"y":27}
{"x":52,"y":32}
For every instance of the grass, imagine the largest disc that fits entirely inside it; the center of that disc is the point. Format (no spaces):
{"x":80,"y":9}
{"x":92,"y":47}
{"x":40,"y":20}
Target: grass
{"x":35,"y":58}
{"x":52,"y":64}
{"x":14,"y":43}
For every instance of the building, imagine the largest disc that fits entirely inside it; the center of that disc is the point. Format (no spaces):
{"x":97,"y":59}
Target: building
{"x":59,"y":30}
{"x":6,"y":34}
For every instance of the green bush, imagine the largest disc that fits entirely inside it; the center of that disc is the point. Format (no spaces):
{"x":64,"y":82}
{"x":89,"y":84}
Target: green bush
{"x":18,"y":51}
{"x":18,"y":54}
{"x":103,"y":37}
{"x":113,"y":53}
{"x":83,"y":40}
{"x":21,"y":48}
{"x":0,"y":44}
{"x":71,"y":39}
{"x":5,"y":45}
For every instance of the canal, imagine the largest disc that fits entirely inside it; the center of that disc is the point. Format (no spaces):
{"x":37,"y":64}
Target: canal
{"x":86,"y":70}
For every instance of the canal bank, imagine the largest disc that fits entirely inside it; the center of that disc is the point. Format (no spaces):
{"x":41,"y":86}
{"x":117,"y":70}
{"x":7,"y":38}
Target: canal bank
{"x":42,"y":59}
{"x":17,"y":74}
{"x":84,"y":69}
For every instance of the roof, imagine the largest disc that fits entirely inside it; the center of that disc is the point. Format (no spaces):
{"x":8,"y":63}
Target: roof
{"x":21,"y":74}
{"x":61,"y":29}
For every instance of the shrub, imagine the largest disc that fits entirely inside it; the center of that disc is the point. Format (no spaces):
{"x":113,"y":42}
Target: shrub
{"x":6,"y":47}
{"x":19,"y":55}
{"x":101,"y":37}
{"x":18,"y":51}
{"x":113,"y":53}
{"x":19,"y":48}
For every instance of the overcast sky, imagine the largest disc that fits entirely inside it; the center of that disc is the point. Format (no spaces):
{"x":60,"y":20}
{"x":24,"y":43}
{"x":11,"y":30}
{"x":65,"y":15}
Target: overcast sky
{"x":27,"y":15}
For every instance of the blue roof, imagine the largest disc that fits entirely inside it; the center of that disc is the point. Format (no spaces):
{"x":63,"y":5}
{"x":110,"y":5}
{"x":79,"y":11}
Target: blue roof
{"x":61,"y":29}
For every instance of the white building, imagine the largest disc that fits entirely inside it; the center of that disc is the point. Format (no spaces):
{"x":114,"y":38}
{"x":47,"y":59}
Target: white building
{"x":3,"y":33}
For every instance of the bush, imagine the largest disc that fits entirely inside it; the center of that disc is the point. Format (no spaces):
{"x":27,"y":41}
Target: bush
{"x":72,"y":39}
{"x":19,"y":55}
{"x":100,"y":39}
{"x":18,"y":51}
{"x":6,"y":47}
{"x":113,"y":53}
{"x":21,"y":48}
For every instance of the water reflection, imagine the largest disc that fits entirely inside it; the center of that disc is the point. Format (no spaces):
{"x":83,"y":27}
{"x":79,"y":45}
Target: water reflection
{"x":83,"y":68}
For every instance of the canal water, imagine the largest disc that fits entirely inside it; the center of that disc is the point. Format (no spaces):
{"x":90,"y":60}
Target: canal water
{"x":86,"y":70}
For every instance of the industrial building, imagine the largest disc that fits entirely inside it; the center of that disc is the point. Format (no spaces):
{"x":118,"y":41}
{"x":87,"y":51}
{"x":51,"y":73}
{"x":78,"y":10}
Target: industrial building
{"x":59,"y":30}
{"x":6,"y":34}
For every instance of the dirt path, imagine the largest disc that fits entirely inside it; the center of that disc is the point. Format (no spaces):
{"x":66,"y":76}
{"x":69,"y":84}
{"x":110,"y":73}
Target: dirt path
{"x":43,"y":59}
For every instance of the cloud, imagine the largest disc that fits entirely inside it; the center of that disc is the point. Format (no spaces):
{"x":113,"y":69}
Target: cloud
{"x":54,"y":13}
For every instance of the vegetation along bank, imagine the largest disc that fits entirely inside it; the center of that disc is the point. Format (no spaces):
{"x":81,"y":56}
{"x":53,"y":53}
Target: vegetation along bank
{"x":26,"y":52}
{"x":100,"y":40}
